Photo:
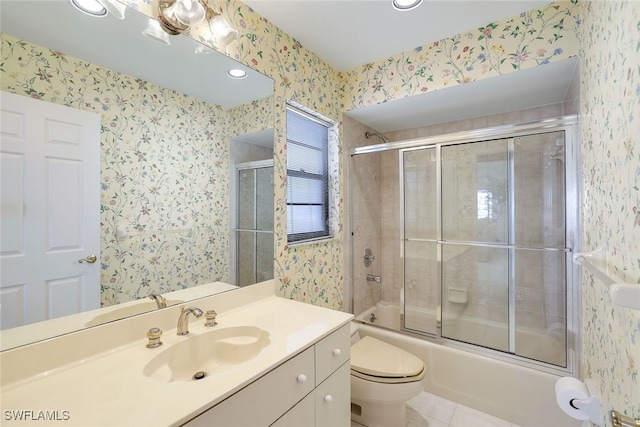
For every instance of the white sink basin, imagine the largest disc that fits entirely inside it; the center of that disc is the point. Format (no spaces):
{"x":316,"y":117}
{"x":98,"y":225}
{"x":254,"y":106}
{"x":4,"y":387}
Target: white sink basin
{"x":199,"y":356}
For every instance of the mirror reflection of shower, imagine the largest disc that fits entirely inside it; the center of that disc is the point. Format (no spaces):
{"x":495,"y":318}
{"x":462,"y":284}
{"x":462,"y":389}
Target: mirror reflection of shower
{"x":251,"y":192}
{"x":556,"y":152}
{"x":254,"y":232}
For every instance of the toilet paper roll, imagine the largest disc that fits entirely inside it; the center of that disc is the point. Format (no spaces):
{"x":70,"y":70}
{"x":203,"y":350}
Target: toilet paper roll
{"x":568,"y":389}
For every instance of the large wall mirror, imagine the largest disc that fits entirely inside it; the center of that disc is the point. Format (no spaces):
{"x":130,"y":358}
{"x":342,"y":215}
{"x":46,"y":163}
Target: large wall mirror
{"x":185,"y":181}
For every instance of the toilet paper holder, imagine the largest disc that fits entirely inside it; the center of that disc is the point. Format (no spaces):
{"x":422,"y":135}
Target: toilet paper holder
{"x":619,"y":420}
{"x":590,"y":405}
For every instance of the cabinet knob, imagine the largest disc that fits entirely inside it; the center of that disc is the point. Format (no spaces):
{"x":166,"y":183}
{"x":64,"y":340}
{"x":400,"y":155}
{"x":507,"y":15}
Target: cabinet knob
{"x":328,"y":398}
{"x":337,"y":352}
{"x":302,"y":378}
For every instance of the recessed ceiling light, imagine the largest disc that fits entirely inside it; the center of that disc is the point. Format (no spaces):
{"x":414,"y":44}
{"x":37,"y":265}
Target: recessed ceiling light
{"x":90,"y":7}
{"x":405,"y":4}
{"x":236,"y":73}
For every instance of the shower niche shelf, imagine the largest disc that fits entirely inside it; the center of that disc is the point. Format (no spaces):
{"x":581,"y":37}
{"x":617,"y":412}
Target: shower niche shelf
{"x":622,"y":294}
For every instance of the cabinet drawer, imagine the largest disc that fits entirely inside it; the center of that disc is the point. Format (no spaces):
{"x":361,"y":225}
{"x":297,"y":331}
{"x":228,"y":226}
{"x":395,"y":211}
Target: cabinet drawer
{"x":266,"y":399}
{"x":332,"y":352}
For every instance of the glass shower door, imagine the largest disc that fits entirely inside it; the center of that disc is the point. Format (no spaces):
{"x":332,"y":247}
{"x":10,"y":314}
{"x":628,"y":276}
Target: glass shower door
{"x":504,"y":252}
{"x":541,"y":248}
{"x":475,"y":239}
{"x":255,"y":225}
{"x":421,"y":279}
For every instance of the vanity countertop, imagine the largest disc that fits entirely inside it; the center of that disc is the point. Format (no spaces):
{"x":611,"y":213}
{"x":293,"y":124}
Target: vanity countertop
{"x":22,"y":335}
{"x":108,"y":388}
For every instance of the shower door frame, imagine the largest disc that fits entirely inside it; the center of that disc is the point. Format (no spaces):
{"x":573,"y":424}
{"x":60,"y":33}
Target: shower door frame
{"x":568,"y":124}
{"x":253,"y":165}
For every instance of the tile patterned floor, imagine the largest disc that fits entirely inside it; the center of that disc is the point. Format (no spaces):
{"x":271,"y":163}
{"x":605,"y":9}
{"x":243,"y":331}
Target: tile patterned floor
{"x":429,"y":410}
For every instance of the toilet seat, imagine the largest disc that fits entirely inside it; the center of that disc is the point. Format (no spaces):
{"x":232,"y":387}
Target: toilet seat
{"x":377,"y":361}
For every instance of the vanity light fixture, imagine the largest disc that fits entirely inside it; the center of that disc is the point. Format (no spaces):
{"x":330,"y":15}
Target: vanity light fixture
{"x":90,"y":7}
{"x":223,"y":33}
{"x":404,"y":5}
{"x":176,"y":16}
{"x":155,"y":31}
{"x":237,"y":73}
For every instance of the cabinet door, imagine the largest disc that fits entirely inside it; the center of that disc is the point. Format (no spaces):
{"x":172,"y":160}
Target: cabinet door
{"x":301,"y":415}
{"x":333,"y":399}
{"x":262,"y":402}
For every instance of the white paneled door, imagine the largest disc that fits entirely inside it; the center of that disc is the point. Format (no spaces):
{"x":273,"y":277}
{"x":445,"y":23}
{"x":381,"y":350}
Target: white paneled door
{"x":50,"y":210}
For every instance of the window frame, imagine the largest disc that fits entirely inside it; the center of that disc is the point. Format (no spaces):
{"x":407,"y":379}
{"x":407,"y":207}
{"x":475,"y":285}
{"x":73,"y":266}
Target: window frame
{"x":325,"y":233}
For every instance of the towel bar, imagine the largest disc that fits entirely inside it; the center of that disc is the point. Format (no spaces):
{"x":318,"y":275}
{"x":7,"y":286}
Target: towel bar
{"x":619,"y":420}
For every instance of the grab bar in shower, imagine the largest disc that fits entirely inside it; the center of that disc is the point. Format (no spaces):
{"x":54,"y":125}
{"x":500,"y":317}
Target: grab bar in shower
{"x":622,"y":294}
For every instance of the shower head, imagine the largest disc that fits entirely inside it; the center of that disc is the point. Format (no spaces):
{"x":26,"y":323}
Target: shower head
{"x":557,"y":152}
{"x":382,"y":137}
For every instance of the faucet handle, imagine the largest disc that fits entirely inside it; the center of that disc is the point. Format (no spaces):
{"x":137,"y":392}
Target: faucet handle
{"x":210,"y":315}
{"x":154,"y":335}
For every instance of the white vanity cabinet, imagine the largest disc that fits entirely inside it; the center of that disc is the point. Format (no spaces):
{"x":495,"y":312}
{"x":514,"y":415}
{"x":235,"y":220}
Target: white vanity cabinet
{"x":310,"y":389}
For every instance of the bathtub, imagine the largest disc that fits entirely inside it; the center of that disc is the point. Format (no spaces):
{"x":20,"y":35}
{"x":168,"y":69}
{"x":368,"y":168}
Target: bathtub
{"x":518,"y":394}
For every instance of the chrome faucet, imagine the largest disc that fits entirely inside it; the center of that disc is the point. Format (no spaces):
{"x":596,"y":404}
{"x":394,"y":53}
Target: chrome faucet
{"x":373,"y":278}
{"x":161,"y":301}
{"x":183,"y":322}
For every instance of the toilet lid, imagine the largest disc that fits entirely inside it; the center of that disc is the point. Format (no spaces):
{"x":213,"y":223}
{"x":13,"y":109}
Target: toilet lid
{"x":376,"y":358}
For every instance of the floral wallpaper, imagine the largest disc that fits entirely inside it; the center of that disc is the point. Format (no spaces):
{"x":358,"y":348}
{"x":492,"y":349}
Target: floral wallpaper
{"x":315,"y":273}
{"x":164,"y":163}
{"x":311,"y":273}
{"x":610,"y":98}
{"x":607,"y":39}
{"x":605,"y":34}
{"x":528,"y":40}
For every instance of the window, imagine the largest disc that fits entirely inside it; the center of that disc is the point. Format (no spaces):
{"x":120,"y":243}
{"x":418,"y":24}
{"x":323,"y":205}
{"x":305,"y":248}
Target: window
{"x":307,"y":176}
{"x":485,"y":204}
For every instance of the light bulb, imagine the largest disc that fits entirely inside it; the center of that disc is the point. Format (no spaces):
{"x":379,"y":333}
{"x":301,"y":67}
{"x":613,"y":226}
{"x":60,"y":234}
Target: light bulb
{"x":156,"y":32}
{"x":188,"y":12}
{"x":222,"y":32}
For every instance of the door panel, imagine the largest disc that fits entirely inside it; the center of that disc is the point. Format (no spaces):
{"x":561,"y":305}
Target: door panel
{"x":475,"y":198}
{"x":50,"y":210}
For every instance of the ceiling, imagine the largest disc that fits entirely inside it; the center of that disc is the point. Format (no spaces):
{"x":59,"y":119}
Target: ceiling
{"x":350,"y":33}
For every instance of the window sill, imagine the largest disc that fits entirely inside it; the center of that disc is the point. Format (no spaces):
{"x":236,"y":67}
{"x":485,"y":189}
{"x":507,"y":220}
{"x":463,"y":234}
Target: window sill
{"x":309,"y":242}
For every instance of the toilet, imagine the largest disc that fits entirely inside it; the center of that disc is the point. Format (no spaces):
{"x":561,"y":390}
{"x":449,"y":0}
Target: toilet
{"x":383,"y":378}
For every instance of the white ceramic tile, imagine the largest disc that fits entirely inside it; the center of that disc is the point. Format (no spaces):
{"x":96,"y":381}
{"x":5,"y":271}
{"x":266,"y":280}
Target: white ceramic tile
{"x":464,"y":416}
{"x":433,"y":407}
{"x":414,"y":419}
